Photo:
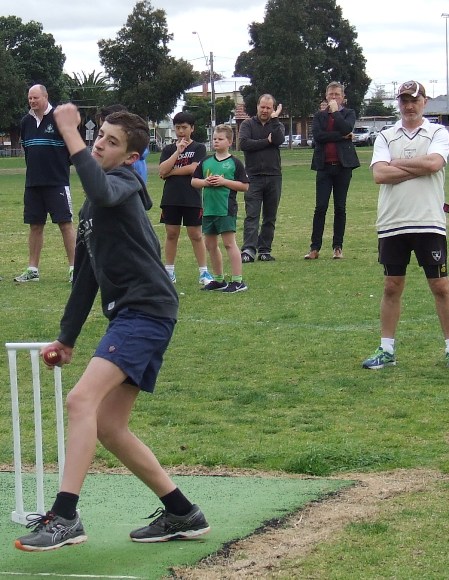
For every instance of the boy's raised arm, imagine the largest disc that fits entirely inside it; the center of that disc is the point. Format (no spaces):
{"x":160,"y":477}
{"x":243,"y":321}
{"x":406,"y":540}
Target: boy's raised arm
{"x":68,"y":118}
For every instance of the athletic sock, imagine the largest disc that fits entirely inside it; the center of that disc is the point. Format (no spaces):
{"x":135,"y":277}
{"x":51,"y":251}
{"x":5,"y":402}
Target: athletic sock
{"x":65,"y":505}
{"x":387,"y":345}
{"x":33,"y":268}
{"x":447,"y":344}
{"x":176,"y":503}
{"x":170,"y":268}
{"x":236,"y":279}
{"x":202,"y":269}
{"x":219,"y":278}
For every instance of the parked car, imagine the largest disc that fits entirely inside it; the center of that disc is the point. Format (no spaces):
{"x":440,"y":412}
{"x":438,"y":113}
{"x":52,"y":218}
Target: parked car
{"x":296,"y":141}
{"x":363,"y":136}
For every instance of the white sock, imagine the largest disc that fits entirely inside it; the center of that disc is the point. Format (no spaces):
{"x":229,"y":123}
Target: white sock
{"x":447,"y":344}
{"x":33,"y":268}
{"x":387,"y":345}
{"x":170,"y":268}
{"x":202,"y":269}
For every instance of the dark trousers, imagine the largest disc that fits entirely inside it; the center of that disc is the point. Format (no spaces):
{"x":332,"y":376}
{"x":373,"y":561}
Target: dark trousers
{"x":263,"y":195}
{"x":332,"y":179}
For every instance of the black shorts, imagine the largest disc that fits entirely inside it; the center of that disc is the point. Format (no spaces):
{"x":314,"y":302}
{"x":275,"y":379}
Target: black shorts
{"x":40,"y":201}
{"x":175,"y":215}
{"x":430,"y":251}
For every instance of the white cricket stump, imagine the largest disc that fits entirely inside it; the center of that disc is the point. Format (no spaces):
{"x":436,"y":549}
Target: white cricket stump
{"x":19,"y":515}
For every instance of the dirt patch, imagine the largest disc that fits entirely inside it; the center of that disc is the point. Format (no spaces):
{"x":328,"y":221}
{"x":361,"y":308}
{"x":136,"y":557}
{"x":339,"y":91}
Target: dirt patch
{"x":260,"y":555}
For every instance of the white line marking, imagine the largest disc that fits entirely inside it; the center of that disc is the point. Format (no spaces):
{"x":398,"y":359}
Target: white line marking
{"x":50,"y":575}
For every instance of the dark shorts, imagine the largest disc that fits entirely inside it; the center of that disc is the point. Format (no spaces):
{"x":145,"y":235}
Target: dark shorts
{"x":430,"y":251}
{"x":40,"y":201}
{"x":175,"y":215}
{"x":214,"y":225}
{"x":136,"y":342}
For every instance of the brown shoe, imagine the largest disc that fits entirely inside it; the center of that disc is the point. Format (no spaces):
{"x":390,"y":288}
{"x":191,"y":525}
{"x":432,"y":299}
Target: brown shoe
{"x":312,"y":255}
{"x":338,"y":254}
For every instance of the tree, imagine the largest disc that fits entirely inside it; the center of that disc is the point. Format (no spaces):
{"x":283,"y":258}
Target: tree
{"x":301,"y":46}
{"x":35,"y":54}
{"x":200,"y":107}
{"x":12,"y":85}
{"x":376,"y":108}
{"x":32,"y":58}
{"x":148,"y":80}
{"x":88,"y":92}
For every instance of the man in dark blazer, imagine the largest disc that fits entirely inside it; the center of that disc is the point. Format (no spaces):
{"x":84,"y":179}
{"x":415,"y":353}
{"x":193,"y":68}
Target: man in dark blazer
{"x":334,"y":158}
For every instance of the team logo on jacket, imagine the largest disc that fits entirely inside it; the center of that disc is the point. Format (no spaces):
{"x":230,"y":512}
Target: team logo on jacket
{"x":49,"y":129}
{"x":436,"y":255}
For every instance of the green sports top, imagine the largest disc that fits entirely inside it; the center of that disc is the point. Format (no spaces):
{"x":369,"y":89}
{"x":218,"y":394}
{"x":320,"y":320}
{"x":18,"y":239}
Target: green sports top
{"x":220,"y":201}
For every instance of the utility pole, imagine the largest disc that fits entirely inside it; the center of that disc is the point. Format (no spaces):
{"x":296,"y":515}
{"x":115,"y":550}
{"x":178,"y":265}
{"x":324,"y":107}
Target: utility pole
{"x":445,"y":15}
{"x":213,"y":112}
{"x":210,"y":64}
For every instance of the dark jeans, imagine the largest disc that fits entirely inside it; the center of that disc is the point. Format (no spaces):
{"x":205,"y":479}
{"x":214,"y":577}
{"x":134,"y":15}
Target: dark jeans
{"x":264,"y":194}
{"x":333,"y":179}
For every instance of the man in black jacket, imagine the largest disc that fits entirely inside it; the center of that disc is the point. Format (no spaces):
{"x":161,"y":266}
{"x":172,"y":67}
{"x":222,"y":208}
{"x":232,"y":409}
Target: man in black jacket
{"x":260,"y":138}
{"x":334,"y":158}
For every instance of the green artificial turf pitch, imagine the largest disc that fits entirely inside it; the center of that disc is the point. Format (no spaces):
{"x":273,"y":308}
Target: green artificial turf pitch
{"x":113,"y":505}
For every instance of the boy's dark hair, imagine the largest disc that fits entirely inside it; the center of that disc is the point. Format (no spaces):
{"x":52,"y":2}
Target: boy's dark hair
{"x":105,"y":111}
{"x":135,"y":127}
{"x":184,"y":117}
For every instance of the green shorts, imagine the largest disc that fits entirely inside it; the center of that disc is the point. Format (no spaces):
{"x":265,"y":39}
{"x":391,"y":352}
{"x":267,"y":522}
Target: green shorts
{"x":213,"y":225}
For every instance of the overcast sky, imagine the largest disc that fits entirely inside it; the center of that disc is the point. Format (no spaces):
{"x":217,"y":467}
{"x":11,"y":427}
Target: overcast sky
{"x":401,"y":39}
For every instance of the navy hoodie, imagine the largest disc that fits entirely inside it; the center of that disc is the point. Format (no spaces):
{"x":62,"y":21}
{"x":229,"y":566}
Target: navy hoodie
{"x":117,"y":250}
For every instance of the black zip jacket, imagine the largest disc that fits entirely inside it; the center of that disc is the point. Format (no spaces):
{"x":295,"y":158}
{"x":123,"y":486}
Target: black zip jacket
{"x":261,"y":156}
{"x":117,"y":250}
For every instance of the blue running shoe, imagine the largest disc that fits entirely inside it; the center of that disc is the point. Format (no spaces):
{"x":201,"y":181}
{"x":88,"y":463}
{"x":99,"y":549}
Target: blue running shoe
{"x":380,"y":359}
{"x":205,"y":278}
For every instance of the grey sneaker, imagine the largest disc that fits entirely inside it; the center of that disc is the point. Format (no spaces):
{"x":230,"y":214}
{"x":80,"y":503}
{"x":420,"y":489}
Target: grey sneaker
{"x":28,"y":276}
{"x":70,"y":274}
{"x":170,"y":527}
{"x":51,"y":532}
{"x":380,"y":359}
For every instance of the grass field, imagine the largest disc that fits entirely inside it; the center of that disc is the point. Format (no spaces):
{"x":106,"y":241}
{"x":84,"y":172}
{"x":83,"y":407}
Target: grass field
{"x":271,"y":378}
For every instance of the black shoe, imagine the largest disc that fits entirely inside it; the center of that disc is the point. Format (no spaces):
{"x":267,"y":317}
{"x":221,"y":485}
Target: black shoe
{"x":235,"y":287}
{"x":266,"y":258}
{"x":246,"y":258}
{"x":214,"y":285}
{"x":170,"y":527}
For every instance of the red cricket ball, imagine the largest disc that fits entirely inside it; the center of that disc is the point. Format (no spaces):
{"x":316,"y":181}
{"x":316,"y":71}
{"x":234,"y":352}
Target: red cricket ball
{"x":51,"y":357}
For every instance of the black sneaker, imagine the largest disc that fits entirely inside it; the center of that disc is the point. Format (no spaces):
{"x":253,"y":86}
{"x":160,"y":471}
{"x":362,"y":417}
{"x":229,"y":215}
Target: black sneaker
{"x":51,"y":532}
{"x":170,"y":527}
{"x":266,"y":258}
{"x":214,"y":285}
{"x":246,"y":258}
{"x":236,"y":287}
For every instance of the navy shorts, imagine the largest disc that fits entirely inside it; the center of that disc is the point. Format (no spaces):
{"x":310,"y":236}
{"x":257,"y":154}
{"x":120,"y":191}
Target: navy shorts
{"x":40,"y":201}
{"x":136,"y":342}
{"x":175,"y":215}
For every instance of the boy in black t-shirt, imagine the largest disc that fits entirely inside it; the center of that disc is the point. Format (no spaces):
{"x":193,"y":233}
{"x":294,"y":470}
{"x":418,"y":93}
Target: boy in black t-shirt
{"x":181,"y":203}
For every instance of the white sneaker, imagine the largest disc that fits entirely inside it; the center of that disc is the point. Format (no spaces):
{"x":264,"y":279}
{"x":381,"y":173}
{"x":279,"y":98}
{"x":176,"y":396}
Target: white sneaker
{"x":205,"y":278}
{"x":28,"y":276}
